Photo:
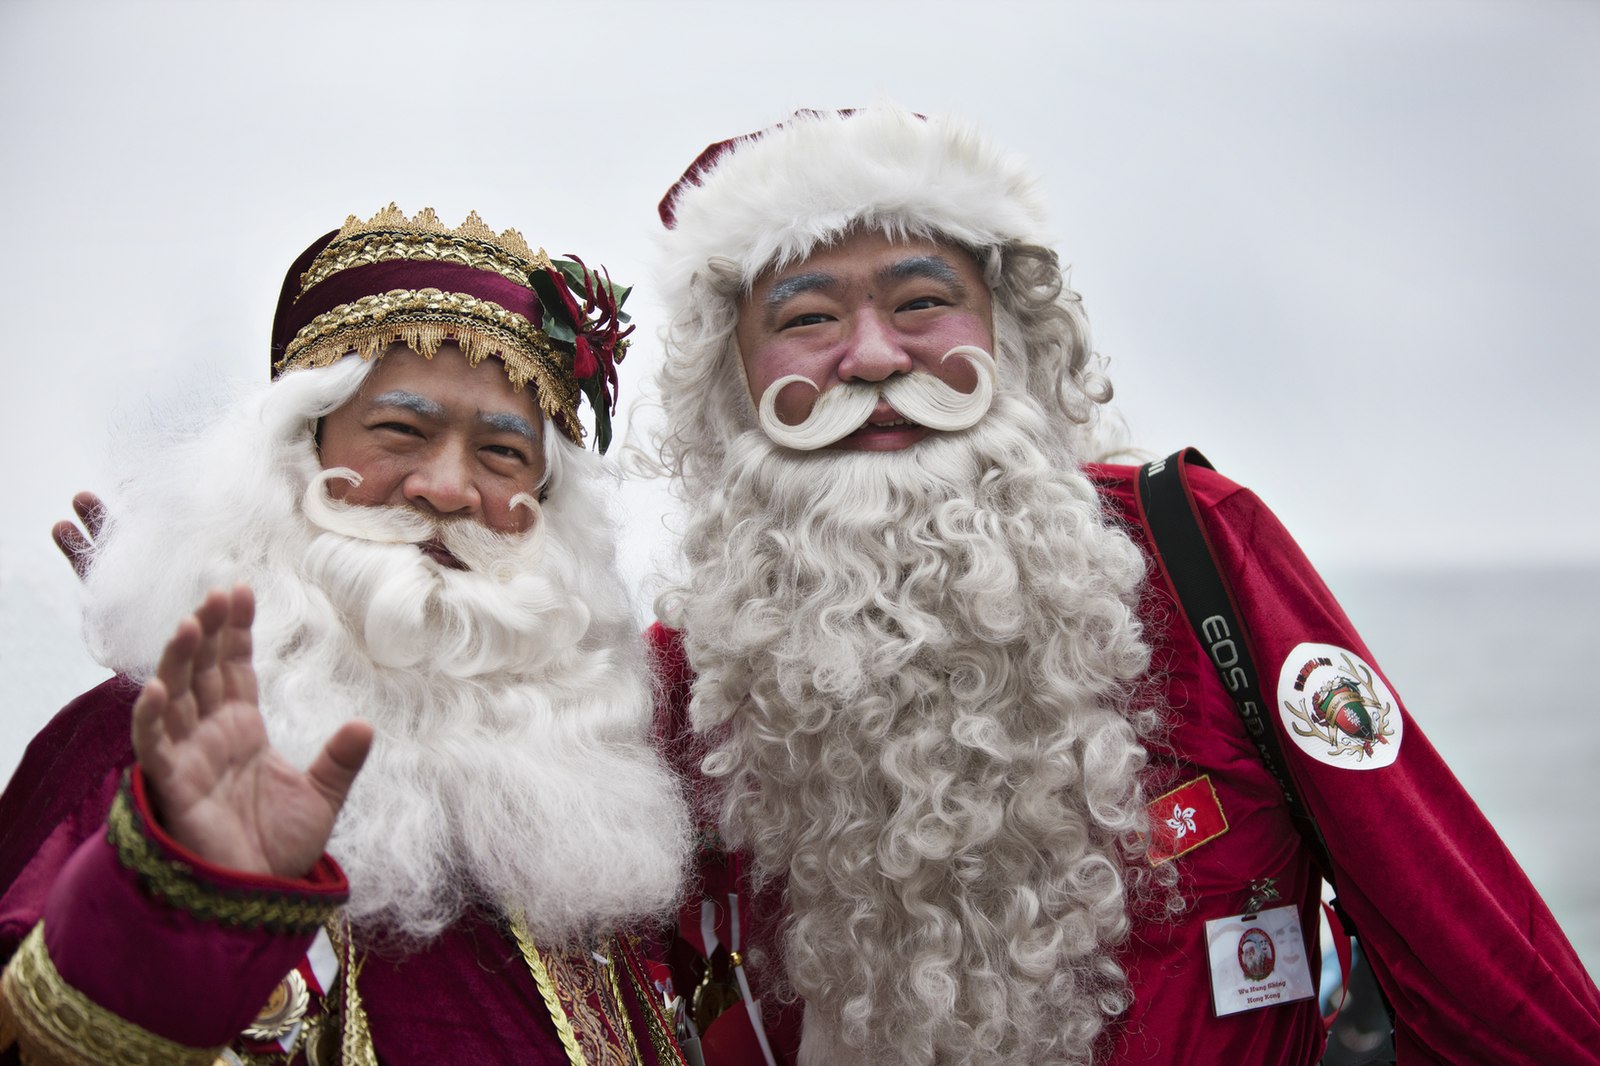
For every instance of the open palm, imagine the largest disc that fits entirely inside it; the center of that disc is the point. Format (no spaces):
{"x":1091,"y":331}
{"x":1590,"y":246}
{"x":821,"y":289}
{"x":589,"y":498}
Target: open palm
{"x":220,"y":788}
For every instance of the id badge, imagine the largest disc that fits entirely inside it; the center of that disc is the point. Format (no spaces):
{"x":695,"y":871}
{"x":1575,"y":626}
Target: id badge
{"x":1258,"y":960}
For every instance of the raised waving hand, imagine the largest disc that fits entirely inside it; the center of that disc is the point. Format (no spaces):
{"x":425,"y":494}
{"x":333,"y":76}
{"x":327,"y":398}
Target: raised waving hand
{"x":220,"y":788}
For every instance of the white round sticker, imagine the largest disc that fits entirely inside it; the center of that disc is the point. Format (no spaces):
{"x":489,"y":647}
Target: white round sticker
{"x":1337,"y":708}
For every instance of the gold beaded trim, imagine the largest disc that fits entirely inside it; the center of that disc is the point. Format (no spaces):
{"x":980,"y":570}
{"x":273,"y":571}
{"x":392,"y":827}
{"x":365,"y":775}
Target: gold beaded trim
{"x":56,"y":1025}
{"x":175,"y":883}
{"x":423,"y":319}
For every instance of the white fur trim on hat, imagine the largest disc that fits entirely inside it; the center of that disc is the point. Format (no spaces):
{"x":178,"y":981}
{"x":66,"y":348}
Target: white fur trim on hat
{"x":770,"y":200}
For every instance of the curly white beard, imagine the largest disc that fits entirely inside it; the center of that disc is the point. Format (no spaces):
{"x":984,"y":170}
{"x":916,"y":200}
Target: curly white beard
{"x":512,"y":765}
{"x":915,"y":672}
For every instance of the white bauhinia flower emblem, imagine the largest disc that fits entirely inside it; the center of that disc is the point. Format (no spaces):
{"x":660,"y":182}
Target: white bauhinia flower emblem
{"x":1182,"y":821}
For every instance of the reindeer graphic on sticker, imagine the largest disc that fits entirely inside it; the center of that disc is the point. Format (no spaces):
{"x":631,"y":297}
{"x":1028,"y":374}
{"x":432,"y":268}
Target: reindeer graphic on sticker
{"x":1337,"y":709}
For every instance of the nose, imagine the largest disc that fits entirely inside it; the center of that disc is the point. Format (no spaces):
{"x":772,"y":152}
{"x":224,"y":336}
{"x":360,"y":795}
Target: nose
{"x":442,"y":483}
{"x":875,"y":351}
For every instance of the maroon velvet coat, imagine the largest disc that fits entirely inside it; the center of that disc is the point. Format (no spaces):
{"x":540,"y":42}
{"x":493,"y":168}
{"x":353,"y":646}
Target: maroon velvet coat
{"x":468,"y":996}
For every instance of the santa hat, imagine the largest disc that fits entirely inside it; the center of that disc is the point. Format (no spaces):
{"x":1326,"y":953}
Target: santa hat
{"x":769,"y":199}
{"x":393,"y":279}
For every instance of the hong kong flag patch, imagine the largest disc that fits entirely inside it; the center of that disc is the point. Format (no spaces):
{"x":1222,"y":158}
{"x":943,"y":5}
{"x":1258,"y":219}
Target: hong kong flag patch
{"x":1183,"y":819}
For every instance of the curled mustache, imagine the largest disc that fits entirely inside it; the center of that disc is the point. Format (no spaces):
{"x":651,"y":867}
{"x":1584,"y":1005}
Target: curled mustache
{"x":479,"y":548}
{"x":919,"y":397}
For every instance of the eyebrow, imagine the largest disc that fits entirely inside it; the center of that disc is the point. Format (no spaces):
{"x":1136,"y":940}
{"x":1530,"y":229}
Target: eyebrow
{"x":506,"y":422}
{"x":409,"y":401}
{"x":932,"y":267}
{"x":500,"y":421}
{"x":788,"y":288}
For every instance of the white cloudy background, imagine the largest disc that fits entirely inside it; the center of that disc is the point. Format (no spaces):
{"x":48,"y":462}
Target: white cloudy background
{"x":1352,"y":250}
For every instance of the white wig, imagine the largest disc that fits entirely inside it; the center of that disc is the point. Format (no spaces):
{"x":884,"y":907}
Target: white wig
{"x":916,"y":672}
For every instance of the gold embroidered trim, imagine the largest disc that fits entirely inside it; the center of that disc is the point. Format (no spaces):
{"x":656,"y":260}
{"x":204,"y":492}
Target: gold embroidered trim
{"x":388,"y":246}
{"x":616,"y":999}
{"x":423,"y":319}
{"x":56,"y":1025}
{"x":355,"y":1045}
{"x":175,"y":883}
{"x":667,"y":1050}
{"x":392,"y":221}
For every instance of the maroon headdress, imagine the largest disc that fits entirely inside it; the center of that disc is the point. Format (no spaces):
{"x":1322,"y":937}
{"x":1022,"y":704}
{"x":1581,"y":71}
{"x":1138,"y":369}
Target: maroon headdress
{"x":410,"y":280}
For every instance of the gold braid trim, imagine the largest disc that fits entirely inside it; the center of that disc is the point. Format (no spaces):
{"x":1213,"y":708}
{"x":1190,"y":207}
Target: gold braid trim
{"x":56,"y":1025}
{"x":547,"y":989}
{"x":423,"y":319}
{"x":175,"y":883}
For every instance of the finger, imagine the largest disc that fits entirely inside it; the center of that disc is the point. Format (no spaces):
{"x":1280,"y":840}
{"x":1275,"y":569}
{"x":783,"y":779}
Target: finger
{"x":71,"y":542}
{"x":91,"y":511}
{"x":335,"y":769}
{"x":206,"y":682}
{"x":234,"y":653}
{"x":151,"y":744}
{"x":175,"y":672}
{"x":148,"y":733}
{"x":212,"y":613}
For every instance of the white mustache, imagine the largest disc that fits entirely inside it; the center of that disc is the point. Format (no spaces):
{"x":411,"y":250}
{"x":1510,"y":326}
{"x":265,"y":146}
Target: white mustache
{"x":919,"y":397}
{"x":480,"y":549}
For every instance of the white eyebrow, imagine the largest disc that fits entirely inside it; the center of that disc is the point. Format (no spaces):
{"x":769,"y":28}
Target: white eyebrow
{"x":790,"y":287}
{"x":506,"y":422}
{"x":409,"y":401}
{"x":932,"y":267}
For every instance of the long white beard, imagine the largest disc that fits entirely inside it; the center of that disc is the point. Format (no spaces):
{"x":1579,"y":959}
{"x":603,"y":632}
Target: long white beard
{"x":915,"y":674}
{"x":512,"y":766}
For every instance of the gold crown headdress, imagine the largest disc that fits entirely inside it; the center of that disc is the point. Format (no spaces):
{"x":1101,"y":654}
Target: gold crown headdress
{"x":393,"y":279}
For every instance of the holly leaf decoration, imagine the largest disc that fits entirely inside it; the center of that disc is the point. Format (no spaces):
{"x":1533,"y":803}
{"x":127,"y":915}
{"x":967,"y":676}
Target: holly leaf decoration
{"x":558,"y":326}
{"x":598,"y":403}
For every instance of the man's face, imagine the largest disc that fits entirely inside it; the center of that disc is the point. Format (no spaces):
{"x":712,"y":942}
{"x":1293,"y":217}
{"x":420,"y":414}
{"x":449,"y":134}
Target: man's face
{"x":450,"y":439}
{"x":864,"y":310}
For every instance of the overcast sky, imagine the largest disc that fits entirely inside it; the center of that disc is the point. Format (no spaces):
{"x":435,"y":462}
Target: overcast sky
{"x":1351,"y":250}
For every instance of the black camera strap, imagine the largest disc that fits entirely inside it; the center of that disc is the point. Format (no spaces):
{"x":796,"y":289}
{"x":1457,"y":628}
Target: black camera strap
{"x":1187,"y":561}
{"x":1166,"y":504}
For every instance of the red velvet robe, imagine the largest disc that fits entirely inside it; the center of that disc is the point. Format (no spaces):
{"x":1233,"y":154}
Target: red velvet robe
{"x":469,"y":996}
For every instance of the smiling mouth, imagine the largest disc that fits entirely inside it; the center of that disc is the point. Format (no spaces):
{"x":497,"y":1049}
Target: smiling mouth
{"x":885,"y":417}
{"x":435,"y":550}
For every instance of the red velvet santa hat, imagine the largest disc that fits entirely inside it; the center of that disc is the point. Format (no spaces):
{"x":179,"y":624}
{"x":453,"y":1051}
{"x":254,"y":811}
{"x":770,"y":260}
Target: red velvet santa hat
{"x":768,"y":199}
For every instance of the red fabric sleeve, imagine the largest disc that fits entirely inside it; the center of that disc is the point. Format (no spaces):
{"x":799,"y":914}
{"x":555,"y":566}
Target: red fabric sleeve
{"x":192,"y":980}
{"x":1475,"y":965}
